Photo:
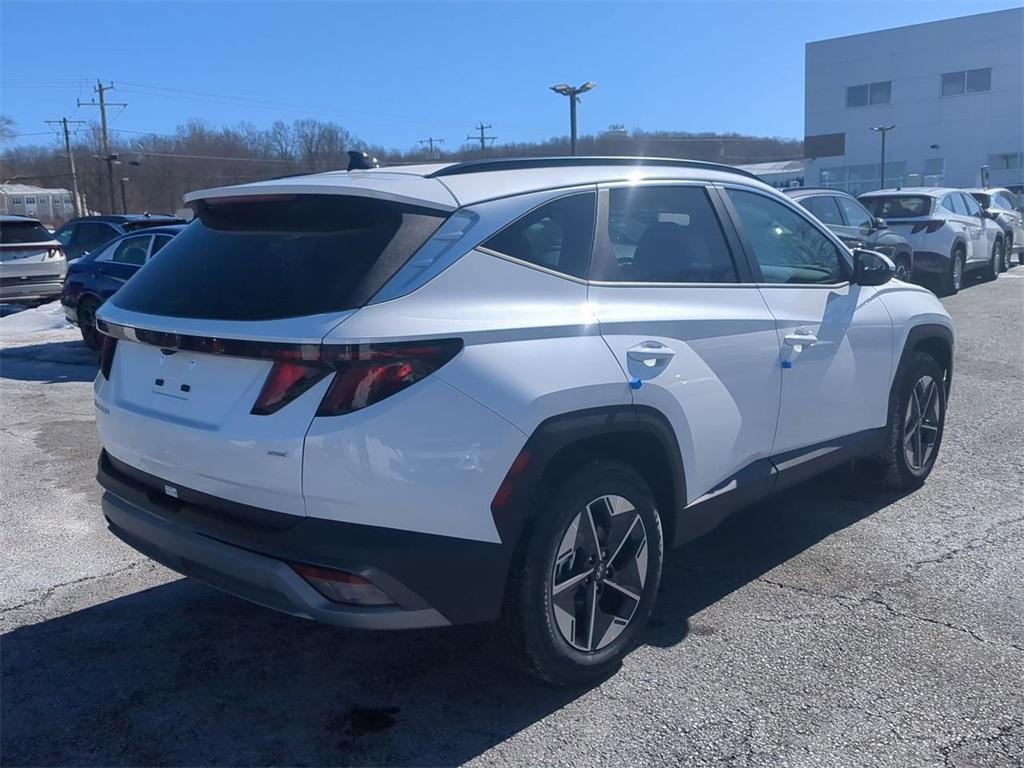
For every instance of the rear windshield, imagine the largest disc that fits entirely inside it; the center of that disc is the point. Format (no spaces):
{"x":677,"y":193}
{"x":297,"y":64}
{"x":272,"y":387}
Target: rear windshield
{"x":265,"y":258}
{"x":982,"y":198}
{"x":898,"y":206}
{"x":131,"y":226}
{"x":12,"y":232}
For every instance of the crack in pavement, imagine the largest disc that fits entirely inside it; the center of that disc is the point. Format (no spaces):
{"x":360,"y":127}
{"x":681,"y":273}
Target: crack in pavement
{"x":48,"y":592}
{"x":855,"y":601}
{"x":947,"y":750}
{"x":975,"y":543}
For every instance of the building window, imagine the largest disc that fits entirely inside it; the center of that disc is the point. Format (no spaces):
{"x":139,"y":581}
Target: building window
{"x":17,"y":201}
{"x":1006,"y":161}
{"x":30,"y":201}
{"x":869,"y":93}
{"x":857,"y":179}
{"x":934,"y":168}
{"x":967,"y":81}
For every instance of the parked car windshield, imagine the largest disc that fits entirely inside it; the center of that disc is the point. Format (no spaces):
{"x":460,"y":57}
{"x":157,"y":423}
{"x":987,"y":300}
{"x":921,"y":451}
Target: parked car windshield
{"x":898,"y":206}
{"x":12,"y":232}
{"x":265,"y":258}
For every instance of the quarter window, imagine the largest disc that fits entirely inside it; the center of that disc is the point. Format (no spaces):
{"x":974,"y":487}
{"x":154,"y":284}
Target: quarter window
{"x":955,"y":204}
{"x":159,"y":242}
{"x":557,"y":235}
{"x":973,"y":209}
{"x":787,"y":247}
{"x":665,"y":235}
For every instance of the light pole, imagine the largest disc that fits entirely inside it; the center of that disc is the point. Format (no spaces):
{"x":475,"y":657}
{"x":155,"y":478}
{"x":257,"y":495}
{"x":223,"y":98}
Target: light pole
{"x":124,"y":197}
{"x":882,"y":129}
{"x":573,"y":94}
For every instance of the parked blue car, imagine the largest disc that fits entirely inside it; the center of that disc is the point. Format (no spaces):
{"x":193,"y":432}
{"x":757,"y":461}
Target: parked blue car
{"x":98,"y":275}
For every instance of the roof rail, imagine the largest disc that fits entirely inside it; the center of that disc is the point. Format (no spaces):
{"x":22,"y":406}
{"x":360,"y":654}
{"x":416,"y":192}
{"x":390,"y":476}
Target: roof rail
{"x":520,"y":163}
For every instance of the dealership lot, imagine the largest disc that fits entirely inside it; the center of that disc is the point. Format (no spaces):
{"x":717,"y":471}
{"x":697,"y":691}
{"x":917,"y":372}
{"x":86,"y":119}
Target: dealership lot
{"x":831,"y":625}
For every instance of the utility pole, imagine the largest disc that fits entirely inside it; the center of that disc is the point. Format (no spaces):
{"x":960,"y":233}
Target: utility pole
{"x":430,"y":140}
{"x":76,"y":207}
{"x":101,"y":90}
{"x":483,"y":138}
{"x":574,"y":96}
{"x":882,"y":129}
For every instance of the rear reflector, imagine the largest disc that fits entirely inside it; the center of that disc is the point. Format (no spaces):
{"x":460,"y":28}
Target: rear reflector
{"x":342,"y":586}
{"x":504,"y":492}
{"x":107,"y":347}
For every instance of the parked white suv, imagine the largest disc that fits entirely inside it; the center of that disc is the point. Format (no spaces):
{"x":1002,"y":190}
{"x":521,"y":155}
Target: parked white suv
{"x":497,"y":391}
{"x":948,"y":230}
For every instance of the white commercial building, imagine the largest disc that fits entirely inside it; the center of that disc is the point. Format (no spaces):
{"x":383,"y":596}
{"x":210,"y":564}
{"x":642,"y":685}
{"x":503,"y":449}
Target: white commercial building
{"x":953,"y":89}
{"x":51,"y":206}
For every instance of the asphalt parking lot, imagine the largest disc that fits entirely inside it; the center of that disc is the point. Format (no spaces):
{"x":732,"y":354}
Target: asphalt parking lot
{"x":832,"y":625}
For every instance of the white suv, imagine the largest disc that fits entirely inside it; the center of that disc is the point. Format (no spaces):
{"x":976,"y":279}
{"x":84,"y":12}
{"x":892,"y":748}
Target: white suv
{"x":949,"y":231}
{"x":497,"y":391}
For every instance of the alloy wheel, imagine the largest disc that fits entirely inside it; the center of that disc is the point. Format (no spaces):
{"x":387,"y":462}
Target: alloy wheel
{"x":921,"y":423}
{"x":599,"y":573}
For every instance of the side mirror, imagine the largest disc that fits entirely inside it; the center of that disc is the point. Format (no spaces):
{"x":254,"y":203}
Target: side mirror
{"x":881,"y":224}
{"x":872,"y":268}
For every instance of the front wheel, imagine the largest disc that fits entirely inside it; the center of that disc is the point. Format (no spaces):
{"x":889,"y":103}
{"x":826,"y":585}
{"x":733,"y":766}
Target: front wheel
{"x":586,"y":576}
{"x":904,"y":270}
{"x":915,"y":425}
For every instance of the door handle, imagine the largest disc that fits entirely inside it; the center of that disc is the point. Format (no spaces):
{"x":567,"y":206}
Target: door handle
{"x":650,"y":353}
{"x":801,"y":337}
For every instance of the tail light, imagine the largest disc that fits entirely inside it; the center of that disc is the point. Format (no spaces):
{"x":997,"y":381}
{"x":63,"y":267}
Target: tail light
{"x":107,"y":347}
{"x":927,"y":226}
{"x":285,"y":382}
{"x":342,"y":586}
{"x":504,"y":492}
{"x":368,"y":373}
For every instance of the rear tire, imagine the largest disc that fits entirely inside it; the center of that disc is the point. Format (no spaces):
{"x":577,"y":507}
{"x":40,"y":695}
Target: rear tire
{"x":955,"y":273}
{"x":992,"y":270}
{"x":579,"y":593}
{"x":1004,"y":256}
{"x":87,"y":322}
{"x":914,"y":431}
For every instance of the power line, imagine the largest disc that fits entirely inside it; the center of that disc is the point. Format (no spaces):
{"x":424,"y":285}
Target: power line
{"x":483,"y":138}
{"x":107,"y":157}
{"x":430,"y":140}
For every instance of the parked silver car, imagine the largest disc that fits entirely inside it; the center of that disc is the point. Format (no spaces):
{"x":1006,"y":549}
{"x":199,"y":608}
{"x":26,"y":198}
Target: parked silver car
{"x":948,"y":230}
{"x":1004,"y":208}
{"x":32,"y":263}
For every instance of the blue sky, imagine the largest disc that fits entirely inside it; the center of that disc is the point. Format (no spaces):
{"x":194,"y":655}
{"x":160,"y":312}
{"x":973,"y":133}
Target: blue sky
{"x":394,"y":73}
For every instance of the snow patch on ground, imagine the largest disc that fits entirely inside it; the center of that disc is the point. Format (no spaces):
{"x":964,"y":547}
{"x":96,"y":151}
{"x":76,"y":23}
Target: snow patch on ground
{"x":46,"y":317}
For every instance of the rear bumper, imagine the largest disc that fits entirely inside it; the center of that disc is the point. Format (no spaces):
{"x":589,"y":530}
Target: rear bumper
{"x":35,"y":289}
{"x":434,"y":580}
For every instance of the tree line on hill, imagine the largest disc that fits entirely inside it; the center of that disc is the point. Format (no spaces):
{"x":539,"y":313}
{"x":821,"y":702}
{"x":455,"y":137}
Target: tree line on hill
{"x":161,"y":168}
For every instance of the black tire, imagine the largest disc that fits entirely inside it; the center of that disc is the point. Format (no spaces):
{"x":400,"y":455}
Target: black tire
{"x":87,"y":322}
{"x":1004,"y":256}
{"x":536,"y":622}
{"x":893,"y":466}
{"x":951,"y":286}
{"x":992,"y":270}
{"x":904,"y":267}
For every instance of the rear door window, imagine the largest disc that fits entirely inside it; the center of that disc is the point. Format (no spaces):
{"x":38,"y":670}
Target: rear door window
{"x":665,"y":234}
{"x":824,"y":209}
{"x":271,"y":257}
{"x":131,"y":250}
{"x":855,"y":214}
